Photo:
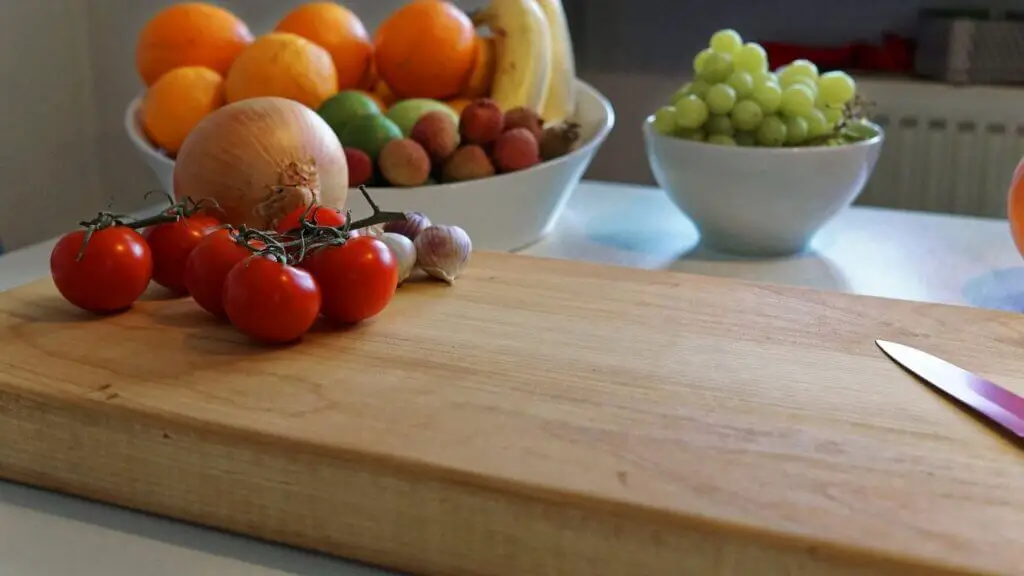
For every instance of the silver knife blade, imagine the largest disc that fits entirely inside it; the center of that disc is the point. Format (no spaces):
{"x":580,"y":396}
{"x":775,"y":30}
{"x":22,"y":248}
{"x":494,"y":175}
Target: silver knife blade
{"x":996,"y":403}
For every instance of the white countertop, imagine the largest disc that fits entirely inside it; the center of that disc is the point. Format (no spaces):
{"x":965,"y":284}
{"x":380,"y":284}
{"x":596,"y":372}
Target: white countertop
{"x":927,"y":257}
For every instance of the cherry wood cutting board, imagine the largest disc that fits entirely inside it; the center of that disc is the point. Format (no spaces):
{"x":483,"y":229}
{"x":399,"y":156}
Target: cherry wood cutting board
{"x":540,"y":417}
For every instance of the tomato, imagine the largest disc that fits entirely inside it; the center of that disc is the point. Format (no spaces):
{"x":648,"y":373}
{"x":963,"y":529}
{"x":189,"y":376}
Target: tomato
{"x":112,"y":274}
{"x":321,"y":216}
{"x":357,"y":279}
{"x":271,"y":301}
{"x":171,"y":243}
{"x":207,"y":267}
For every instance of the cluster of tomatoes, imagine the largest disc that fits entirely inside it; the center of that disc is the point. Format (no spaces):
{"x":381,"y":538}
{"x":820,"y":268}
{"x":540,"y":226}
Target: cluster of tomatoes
{"x":271,"y":285}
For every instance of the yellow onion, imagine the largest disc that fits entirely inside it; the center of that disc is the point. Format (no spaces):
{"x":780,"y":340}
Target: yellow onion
{"x":260,"y":159}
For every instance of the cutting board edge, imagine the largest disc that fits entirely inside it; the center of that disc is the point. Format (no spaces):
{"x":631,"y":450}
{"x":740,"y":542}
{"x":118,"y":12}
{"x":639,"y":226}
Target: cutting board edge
{"x":270,"y":472}
{"x":599,"y":270}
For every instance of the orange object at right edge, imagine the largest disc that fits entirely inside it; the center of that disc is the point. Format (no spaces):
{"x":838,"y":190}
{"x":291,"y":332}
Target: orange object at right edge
{"x":1015,"y":207}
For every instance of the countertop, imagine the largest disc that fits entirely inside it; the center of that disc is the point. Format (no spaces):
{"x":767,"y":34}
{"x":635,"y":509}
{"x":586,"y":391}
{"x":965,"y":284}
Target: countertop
{"x":915,"y":256}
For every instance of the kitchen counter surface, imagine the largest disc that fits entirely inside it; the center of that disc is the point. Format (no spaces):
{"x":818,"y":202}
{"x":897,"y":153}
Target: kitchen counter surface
{"x":926,"y":257}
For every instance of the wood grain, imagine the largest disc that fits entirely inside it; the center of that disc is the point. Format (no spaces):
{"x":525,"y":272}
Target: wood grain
{"x":540,"y":417}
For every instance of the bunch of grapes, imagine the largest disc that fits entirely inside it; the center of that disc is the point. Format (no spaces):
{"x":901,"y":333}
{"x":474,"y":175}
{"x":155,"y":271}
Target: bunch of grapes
{"x":735,"y":100}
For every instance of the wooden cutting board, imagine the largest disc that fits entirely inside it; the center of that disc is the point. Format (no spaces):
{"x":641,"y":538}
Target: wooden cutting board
{"x":540,"y":417}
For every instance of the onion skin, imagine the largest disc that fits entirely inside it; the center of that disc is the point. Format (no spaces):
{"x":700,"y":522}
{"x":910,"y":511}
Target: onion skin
{"x":260,"y":159}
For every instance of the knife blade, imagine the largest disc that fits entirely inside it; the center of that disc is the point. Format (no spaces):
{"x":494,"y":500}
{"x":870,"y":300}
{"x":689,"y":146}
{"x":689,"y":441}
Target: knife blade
{"x":1002,"y":407}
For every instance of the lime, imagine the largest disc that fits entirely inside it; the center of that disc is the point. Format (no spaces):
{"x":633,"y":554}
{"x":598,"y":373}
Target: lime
{"x":344,"y":107}
{"x":407,"y":112}
{"x":369,"y":133}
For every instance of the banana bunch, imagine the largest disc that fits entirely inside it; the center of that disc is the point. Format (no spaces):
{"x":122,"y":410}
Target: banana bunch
{"x":535,"y":66}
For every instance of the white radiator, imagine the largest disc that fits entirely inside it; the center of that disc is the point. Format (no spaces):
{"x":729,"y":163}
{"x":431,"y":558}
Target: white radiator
{"x":948,"y":149}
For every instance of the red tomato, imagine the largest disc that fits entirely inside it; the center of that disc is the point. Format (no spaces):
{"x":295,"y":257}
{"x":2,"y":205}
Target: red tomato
{"x":271,"y":301}
{"x":321,"y":216}
{"x":357,"y":279}
{"x":171,"y":243}
{"x":111,"y":275}
{"x":207,"y":267}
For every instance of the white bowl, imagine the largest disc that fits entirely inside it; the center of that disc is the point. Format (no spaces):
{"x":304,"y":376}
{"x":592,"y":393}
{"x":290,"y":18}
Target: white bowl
{"x":759,"y":201}
{"x":506,"y":212}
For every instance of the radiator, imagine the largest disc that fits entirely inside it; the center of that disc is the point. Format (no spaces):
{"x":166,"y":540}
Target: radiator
{"x":947,"y":149}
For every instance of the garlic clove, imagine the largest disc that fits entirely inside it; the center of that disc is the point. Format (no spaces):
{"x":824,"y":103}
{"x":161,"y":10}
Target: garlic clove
{"x":404,"y":251}
{"x":443,"y":251}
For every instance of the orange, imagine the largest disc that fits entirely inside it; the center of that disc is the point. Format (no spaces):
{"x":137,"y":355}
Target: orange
{"x":458,"y":104}
{"x":481,"y":77}
{"x":1015,"y":207}
{"x":286,"y":65}
{"x":426,"y":49}
{"x":177,"y":102}
{"x":339,"y":31}
{"x":371,"y":77}
{"x":189,"y":34}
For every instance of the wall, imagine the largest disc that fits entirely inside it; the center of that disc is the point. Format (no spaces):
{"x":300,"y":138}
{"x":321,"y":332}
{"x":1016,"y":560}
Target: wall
{"x":47,"y":121}
{"x":70,"y":73}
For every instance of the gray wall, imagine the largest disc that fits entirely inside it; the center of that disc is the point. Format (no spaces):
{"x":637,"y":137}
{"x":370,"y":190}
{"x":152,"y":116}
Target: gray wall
{"x":69,"y":71}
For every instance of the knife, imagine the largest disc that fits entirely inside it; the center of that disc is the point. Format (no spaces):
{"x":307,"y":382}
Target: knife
{"x":1002,"y":407}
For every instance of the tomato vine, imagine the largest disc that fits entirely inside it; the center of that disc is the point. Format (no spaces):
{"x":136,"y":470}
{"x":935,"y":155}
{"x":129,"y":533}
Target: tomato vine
{"x":107,"y":219}
{"x":295,"y":246}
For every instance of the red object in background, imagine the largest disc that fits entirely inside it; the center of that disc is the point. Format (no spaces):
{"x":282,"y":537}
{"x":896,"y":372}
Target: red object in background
{"x":895,"y":54}
{"x":782,"y":53}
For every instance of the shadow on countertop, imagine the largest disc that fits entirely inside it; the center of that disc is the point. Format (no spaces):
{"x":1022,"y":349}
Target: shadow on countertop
{"x":1001,"y":289}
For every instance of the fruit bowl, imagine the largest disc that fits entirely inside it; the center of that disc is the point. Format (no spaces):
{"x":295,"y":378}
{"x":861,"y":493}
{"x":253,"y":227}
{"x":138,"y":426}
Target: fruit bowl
{"x":506,"y":212}
{"x":764,"y":202}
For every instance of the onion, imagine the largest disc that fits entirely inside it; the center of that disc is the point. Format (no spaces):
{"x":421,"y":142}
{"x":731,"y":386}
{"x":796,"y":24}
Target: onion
{"x":260,"y":159}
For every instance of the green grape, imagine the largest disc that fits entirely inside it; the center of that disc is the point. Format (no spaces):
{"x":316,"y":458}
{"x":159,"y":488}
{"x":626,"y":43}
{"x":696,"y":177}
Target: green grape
{"x":751,"y":58}
{"x":796,"y":130}
{"x":799,"y":71}
{"x":771,"y":132}
{"x":833,"y":115}
{"x":665,"y":120}
{"x":819,"y":102}
{"x":742,"y":82}
{"x":768,"y":97}
{"x":817,"y":124}
{"x":691,"y":112}
{"x":700,"y":59}
{"x":858,"y":130}
{"x":745,"y":139}
{"x":695,"y":134}
{"x":804,"y":81}
{"x":836,"y":88}
{"x":726,"y":41}
{"x":764,"y":77}
{"x":719,"y":124}
{"x":804,"y":68}
{"x":720,"y":98}
{"x":721,"y":139}
{"x":717,"y":68}
{"x":746,"y":115}
{"x":697,"y":88}
{"x":797,"y":100}
{"x":683,"y":90}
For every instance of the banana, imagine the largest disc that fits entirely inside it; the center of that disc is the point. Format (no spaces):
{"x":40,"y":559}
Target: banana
{"x":560,"y":103}
{"x":524,"y":56}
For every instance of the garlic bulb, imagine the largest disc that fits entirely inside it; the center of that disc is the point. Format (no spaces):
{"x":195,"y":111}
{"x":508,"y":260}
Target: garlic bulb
{"x":404,"y":251}
{"x":443,"y":251}
{"x":411,"y":227}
